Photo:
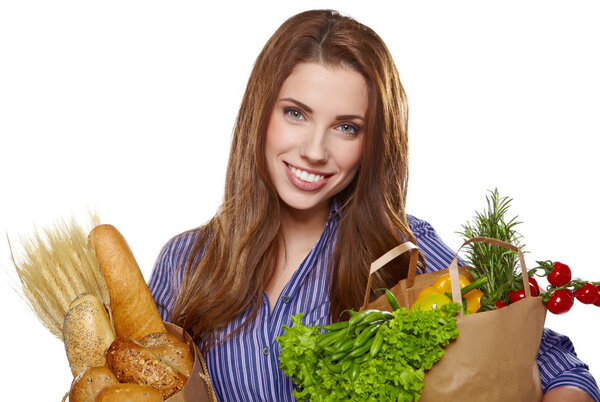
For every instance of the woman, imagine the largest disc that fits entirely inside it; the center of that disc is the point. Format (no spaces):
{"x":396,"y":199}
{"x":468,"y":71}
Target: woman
{"x":315,"y":191}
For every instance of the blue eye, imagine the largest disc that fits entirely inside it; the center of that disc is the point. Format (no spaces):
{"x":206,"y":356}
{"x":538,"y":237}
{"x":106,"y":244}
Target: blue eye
{"x":293,"y":113}
{"x":349,"y":129}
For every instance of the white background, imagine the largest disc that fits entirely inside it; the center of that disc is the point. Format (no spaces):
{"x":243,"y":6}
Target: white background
{"x":127,"y":108}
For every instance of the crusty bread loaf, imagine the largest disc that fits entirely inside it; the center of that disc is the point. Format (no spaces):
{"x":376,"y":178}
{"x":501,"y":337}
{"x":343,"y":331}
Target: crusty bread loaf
{"x":133,"y":363}
{"x":90,"y":381}
{"x":133,"y":309}
{"x":128,"y":393}
{"x":158,"y":338}
{"x":87,"y":333}
{"x":170,"y":349}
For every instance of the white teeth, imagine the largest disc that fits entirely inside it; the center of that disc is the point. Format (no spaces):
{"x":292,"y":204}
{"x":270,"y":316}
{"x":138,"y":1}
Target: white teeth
{"x":309,"y":177}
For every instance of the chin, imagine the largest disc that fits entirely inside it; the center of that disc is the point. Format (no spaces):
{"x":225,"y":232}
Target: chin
{"x":304,"y":203}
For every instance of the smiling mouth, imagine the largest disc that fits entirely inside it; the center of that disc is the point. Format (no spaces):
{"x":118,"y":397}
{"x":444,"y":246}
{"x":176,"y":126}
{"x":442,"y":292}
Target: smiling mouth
{"x":306,"y":176}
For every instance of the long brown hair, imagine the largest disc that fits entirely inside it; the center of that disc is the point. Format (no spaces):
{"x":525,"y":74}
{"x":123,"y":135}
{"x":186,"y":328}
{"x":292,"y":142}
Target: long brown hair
{"x":240,"y":244}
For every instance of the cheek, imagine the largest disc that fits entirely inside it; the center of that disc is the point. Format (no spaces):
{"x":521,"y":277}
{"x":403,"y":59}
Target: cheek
{"x":348,"y":155}
{"x":276,"y":141}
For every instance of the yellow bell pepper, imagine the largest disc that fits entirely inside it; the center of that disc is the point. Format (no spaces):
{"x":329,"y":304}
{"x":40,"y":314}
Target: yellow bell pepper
{"x":443,"y":286}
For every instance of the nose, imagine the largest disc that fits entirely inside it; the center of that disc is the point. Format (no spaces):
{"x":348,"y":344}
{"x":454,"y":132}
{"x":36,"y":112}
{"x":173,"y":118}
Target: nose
{"x":314,"y":147}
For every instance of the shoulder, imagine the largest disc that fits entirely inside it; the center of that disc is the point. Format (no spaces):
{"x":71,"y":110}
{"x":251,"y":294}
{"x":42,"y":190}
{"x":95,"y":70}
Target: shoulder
{"x":177,"y":250}
{"x":167,"y":274}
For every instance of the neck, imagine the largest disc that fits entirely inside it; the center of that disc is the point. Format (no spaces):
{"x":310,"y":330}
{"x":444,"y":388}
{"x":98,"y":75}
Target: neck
{"x":303,"y":223}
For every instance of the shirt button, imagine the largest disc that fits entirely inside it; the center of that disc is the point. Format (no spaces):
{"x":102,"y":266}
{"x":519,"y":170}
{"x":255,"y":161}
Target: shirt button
{"x":285,"y":299}
{"x":266,"y":351}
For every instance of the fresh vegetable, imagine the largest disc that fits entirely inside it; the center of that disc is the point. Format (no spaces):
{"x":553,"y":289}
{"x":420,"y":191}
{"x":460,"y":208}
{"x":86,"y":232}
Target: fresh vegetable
{"x":587,"y":294}
{"x":500,"y":304}
{"x":431,"y":301}
{"x":560,"y":275}
{"x":516,"y":295}
{"x":560,"y":302}
{"x":443,"y":282}
{"x":534,"y":288}
{"x":390,"y":365}
{"x":597,"y":302}
{"x":391,"y":299}
{"x":473,"y":299}
{"x":442,"y":285}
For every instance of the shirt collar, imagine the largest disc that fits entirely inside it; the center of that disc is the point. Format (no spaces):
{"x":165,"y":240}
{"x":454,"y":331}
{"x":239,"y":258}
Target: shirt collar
{"x":336,"y":209}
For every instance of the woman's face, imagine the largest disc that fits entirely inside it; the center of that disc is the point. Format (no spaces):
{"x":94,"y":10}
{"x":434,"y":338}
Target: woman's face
{"x":315,"y":135}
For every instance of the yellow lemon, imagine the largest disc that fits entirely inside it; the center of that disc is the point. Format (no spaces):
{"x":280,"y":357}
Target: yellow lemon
{"x":443,"y":283}
{"x":430,"y":301}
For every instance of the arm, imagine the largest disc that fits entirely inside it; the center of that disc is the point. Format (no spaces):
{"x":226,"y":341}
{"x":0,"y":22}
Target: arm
{"x":563,"y":375}
{"x":566,"y":393}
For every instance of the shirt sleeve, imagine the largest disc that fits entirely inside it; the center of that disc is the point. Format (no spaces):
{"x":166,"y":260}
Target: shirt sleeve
{"x":436,"y":253}
{"x":167,"y":274}
{"x":559,"y":365}
{"x":557,"y":361}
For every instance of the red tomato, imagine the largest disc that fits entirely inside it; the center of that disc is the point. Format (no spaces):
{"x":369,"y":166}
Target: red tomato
{"x":500,"y":304}
{"x":597,"y":302}
{"x":588,"y":294}
{"x":561,"y":301}
{"x":516,"y":295}
{"x":533,"y":286}
{"x":560,"y":275}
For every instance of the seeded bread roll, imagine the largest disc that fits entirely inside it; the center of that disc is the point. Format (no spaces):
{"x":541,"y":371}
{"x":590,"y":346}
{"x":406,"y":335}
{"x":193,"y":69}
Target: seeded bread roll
{"x":92,"y":380}
{"x":128,"y":393}
{"x":133,"y":363}
{"x":87,"y":333}
{"x":133,"y":309}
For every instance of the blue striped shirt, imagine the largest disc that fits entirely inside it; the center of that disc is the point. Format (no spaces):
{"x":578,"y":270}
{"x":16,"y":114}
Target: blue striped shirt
{"x":246,"y":367}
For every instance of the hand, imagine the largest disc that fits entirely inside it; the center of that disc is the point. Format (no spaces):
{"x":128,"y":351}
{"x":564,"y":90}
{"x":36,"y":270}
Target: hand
{"x":566,"y":393}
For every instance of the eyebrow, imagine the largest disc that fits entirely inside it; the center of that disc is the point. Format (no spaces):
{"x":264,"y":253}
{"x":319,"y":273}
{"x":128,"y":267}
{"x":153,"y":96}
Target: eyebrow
{"x":309,"y":110}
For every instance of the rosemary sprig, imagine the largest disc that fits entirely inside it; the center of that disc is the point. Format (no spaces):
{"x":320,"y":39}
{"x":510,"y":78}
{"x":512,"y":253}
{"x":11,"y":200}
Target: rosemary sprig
{"x":498,"y":264}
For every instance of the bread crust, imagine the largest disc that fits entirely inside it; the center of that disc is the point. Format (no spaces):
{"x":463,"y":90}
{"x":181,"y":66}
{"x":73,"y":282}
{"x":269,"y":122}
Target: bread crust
{"x":85,"y":386}
{"x":133,"y":309}
{"x":87,"y":333}
{"x":133,"y":363}
{"x":128,"y":393}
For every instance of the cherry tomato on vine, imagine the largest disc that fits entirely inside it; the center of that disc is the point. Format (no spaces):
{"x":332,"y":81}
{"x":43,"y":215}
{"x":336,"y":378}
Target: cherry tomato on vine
{"x":500,"y":304}
{"x":516,"y":295}
{"x":561,"y":301}
{"x":560,"y":275}
{"x":597,"y":302}
{"x":533,"y":286}
{"x":588,"y":294}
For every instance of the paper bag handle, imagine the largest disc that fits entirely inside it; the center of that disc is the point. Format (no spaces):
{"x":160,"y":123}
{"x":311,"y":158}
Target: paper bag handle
{"x":389,"y":256}
{"x":453,"y":268}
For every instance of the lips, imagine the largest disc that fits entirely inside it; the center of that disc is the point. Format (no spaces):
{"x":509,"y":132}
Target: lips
{"x":306,"y":179}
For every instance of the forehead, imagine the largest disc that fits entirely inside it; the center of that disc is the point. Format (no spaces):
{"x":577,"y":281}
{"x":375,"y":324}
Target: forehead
{"x":337,"y":89}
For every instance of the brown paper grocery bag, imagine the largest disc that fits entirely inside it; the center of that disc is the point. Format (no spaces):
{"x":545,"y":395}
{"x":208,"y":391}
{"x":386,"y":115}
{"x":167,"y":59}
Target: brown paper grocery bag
{"x":494,"y":356}
{"x":198,"y":386}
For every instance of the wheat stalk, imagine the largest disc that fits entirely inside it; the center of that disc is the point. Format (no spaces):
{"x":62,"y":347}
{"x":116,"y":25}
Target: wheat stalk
{"x":56,"y":268}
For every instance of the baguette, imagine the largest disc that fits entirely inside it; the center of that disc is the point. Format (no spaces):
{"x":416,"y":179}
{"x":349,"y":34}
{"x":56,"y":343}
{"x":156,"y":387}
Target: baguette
{"x":133,"y":309}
